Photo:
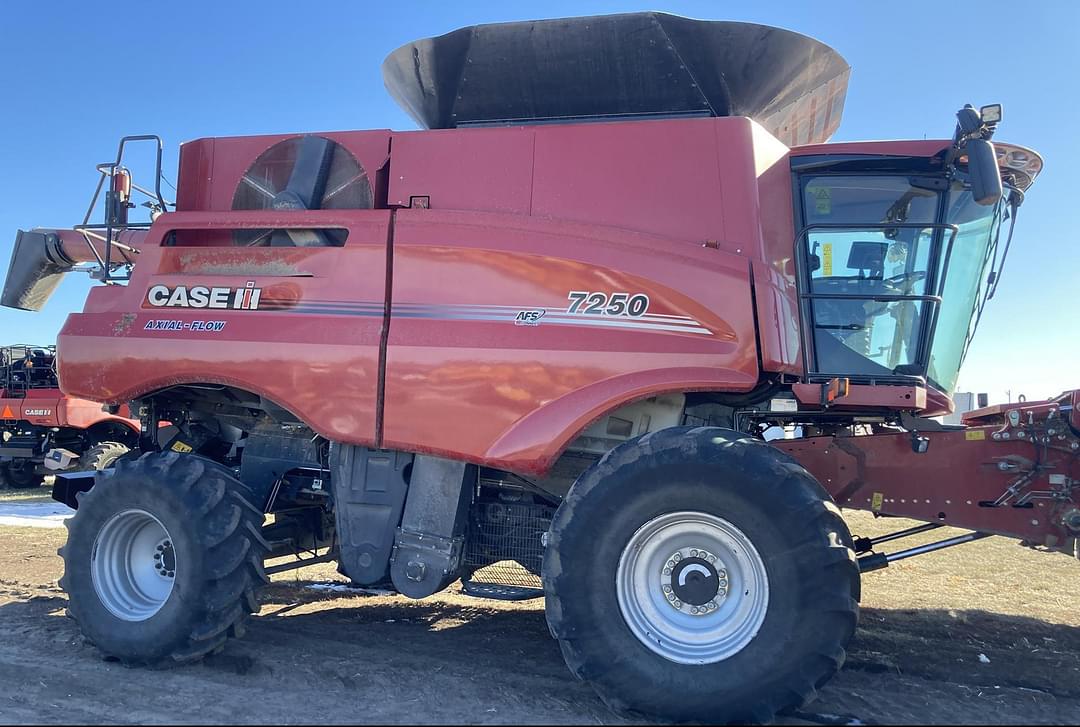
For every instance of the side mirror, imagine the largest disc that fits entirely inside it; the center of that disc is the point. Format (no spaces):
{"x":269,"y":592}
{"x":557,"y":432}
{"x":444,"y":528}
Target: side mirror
{"x":990,"y":114}
{"x":986,"y":186}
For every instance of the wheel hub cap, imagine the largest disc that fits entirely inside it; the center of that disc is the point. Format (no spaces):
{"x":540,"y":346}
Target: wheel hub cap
{"x":693,"y":581}
{"x":692,"y":587}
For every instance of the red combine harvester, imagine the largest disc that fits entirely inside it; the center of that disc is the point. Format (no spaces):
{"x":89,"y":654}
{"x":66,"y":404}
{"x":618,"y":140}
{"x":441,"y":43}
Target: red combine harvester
{"x":45,"y":431}
{"x":545,"y":346}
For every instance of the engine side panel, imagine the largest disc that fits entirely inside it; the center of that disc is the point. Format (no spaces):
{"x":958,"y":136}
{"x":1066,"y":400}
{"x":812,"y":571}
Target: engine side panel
{"x":309,"y":341}
{"x":487,"y":360}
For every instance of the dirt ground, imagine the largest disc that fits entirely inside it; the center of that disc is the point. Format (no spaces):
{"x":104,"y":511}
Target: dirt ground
{"x":981,"y":634}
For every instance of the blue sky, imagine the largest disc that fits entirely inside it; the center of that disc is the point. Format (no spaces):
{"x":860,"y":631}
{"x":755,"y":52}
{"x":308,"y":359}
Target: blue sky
{"x":74,"y":77}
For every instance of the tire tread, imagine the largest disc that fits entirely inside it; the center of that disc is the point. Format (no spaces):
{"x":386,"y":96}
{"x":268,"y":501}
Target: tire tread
{"x":226,"y":527}
{"x":824,"y":547}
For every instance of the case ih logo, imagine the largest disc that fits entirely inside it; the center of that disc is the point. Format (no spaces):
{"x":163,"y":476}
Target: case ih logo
{"x":38,"y":412}
{"x":200,"y":296}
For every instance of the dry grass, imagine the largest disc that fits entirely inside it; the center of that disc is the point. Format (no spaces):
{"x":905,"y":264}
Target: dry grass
{"x":995,"y":574}
{"x":36,"y":494}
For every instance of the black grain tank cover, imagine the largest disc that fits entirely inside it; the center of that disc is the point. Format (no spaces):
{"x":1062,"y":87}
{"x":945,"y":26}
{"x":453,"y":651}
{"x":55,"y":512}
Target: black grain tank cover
{"x":607,"y":67}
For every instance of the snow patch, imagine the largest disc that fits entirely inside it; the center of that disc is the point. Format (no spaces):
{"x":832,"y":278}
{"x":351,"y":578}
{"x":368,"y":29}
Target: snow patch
{"x":34,"y":514}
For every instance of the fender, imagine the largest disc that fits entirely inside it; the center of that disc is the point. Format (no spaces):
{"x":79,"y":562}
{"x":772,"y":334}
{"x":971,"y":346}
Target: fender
{"x":533,"y":444}
{"x":84,"y":414}
{"x":151,"y":387}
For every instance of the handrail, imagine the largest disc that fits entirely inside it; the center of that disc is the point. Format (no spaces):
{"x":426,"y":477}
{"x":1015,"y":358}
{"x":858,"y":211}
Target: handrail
{"x":107,"y":171}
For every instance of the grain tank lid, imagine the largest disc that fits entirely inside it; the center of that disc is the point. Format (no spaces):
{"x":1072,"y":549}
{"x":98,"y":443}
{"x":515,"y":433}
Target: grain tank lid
{"x":621,"y":66}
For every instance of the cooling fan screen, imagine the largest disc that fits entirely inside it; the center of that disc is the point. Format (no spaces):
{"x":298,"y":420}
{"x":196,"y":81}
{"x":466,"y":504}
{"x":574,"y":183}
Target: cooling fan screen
{"x":302,"y":173}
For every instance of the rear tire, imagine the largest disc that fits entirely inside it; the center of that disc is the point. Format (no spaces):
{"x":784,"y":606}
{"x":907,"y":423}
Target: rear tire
{"x":21,"y":476}
{"x":163,"y":559}
{"x":760,"y":563}
{"x":102,"y":455}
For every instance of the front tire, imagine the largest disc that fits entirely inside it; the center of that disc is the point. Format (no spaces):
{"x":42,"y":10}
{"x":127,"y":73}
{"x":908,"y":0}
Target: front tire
{"x":696,"y":574}
{"x":163,"y":559}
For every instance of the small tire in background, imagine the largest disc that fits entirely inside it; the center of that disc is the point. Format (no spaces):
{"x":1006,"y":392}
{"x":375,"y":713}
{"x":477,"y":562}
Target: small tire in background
{"x":102,"y":455}
{"x":21,"y":475}
{"x":164,"y":558}
{"x":697,"y":574}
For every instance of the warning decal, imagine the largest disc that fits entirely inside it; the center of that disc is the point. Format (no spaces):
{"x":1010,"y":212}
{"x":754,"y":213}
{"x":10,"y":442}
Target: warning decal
{"x":822,"y":197}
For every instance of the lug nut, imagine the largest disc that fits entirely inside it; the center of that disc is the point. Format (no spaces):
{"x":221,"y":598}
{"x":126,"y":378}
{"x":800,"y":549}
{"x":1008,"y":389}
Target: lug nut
{"x":671,"y":597}
{"x":677,"y":557}
{"x":415,"y":571}
{"x":667,"y":571}
{"x":693,"y":554}
{"x":711,"y":605}
{"x":667,"y":589}
{"x":671,"y":564}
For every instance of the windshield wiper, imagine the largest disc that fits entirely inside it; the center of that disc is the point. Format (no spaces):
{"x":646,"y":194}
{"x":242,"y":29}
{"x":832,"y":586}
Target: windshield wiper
{"x":1015,"y":198}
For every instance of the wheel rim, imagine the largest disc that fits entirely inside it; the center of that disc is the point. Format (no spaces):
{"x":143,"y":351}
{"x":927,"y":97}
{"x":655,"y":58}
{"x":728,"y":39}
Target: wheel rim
{"x":692,"y":587}
{"x":133,"y":565}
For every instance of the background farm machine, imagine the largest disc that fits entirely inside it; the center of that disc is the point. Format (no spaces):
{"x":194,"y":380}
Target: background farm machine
{"x":42,"y":430}
{"x":555,"y":327}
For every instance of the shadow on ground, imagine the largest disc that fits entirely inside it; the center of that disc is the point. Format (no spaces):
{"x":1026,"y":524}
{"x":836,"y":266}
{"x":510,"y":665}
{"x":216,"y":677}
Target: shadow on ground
{"x":354,"y":658}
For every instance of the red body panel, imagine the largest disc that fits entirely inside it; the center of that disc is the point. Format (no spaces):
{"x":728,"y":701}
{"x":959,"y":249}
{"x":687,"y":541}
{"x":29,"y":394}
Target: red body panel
{"x":694,"y":214}
{"x":863,"y":396}
{"x":210,"y":169}
{"x":320,"y":363}
{"x":899,"y":147}
{"x":51,"y":408}
{"x":464,"y":381}
{"x":776,"y":297}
